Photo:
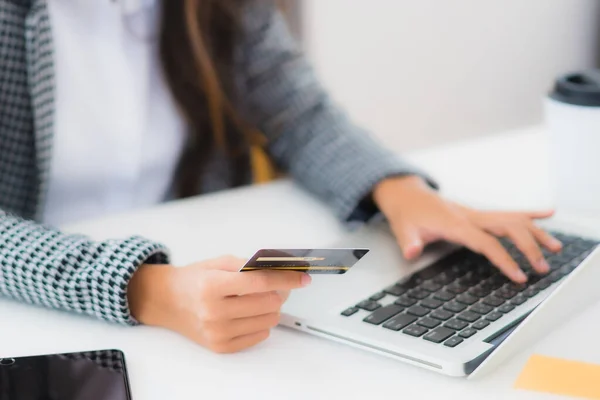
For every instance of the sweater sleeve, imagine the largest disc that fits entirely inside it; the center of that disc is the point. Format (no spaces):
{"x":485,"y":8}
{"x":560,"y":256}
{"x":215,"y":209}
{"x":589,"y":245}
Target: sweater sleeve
{"x":42,"y":266}
{"x":308,"y":135}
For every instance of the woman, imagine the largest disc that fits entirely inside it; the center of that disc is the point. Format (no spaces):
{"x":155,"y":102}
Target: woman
{"x":106,"y":106}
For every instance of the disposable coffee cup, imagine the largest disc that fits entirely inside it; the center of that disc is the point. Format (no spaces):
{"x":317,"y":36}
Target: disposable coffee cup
{"x":572,"y":114}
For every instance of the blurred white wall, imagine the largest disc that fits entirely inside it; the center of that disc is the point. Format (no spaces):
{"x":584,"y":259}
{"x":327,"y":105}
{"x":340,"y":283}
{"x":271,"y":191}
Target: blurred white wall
{"x":423,"y":72}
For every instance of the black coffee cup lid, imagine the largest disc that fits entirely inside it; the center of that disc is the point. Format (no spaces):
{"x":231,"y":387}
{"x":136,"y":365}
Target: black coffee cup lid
{"x":578,"y":88}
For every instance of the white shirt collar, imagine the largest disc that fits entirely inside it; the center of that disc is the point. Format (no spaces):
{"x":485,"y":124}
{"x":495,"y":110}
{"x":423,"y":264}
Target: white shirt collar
{"x":131,"y":7}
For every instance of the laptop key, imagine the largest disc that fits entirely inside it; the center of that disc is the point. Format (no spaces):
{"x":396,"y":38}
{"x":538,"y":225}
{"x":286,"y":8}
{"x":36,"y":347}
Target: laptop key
{"x":383,"y":314}
{"x":493,"y":301}
{"x":467,"y":333}
{"x":456,"y":324}
{"x":505,"y":293}
{"x":431,"y":286}
{"x":495,"y":316}
{"x":530,"y":292}
{"x":517,"y":301}
{"x":444,"y":278}
{"x":395,"y":290}
{"x":429,"y":323}
{"x":543,"y":284}
{"x":432,"y":271}
{"x":405,"y":301}
{"x":415,"y":330}
{"x":498,"y":280}
{"x":459,"y":270}
{"x":442,"y":315}
{"x":453,"y":342}
{"x":443,"y":295}
{"x":484,"y":272}
{"x":431,"y":303}
{"x":377,"y":296}
{"x":349,"y":311}
{"x":410,"y":283}
{"x":533,"y":279}
{"x":418,"y":311}
{"x":454,"y":307}
{"x":469,"y":316}
{"x":399,"y":322}
{"x":467,"y":299}
{"x":566,"y":270}
{"x":486,"y":286}
{"x":438,"y":335}
{"x":479,"y":292}
{"x":559,"y":260}
{"x":481,"y":324}
{"x":471,"y":279}
{"x":516,"y":287}
{"x":572,"y":249}
{"x":519,"y":259}
{"x":556,"y":276}
{"x":506,"y":308}
{"x":547,"y":253}
{"x":573,"y":266}
{"x":368,"y":305}
{"x":419,"y":294}
{"x":584,"y":244}
{"x":481,"y":308}
{"x":457,"y":288}
{"x":496,"y":285}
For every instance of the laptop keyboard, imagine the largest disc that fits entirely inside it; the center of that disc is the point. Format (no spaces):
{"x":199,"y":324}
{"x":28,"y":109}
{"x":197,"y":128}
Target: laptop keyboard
{"x":463,"y":293}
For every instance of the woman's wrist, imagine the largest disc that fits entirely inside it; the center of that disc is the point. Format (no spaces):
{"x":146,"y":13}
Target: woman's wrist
{"x":387,"y":192}
{"x":150,"y":294}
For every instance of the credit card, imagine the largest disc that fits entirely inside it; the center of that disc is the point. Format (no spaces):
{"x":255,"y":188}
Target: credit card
{"x":311,"y":261}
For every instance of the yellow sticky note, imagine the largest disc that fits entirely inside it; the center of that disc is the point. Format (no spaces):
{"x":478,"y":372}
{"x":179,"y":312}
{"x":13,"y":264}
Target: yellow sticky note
{"x":562,"y":377}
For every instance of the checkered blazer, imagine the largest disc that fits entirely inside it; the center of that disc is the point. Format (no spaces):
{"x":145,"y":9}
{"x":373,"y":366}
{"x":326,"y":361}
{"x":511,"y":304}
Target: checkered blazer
{"x":308,"y":137}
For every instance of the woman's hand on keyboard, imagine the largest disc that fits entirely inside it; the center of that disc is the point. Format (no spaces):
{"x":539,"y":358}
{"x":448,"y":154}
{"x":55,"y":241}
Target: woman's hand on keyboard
{"x":418,"y":215}
{"x":211,"y":302}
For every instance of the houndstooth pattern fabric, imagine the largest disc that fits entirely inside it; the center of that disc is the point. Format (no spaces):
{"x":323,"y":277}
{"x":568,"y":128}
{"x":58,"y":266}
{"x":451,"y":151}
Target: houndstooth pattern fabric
{"x":41,"y":78}
{"x":307,"y":135}
{"x":18,"y":167}
{"x":39,"y":265}
{"x":42,"y":266}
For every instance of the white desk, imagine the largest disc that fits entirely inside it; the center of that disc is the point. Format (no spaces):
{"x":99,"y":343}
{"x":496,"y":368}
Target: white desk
{"x":507,"y":170}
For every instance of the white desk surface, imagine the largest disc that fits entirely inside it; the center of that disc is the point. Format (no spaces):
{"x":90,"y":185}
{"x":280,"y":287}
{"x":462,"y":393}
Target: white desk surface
{"x":506,"y":170}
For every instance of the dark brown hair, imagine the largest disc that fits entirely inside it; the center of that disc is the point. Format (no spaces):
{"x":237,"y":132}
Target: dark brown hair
{"x":197,"y":44}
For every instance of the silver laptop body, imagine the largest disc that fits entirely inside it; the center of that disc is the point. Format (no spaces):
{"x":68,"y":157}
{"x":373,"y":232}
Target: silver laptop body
{"x":317,"y":310}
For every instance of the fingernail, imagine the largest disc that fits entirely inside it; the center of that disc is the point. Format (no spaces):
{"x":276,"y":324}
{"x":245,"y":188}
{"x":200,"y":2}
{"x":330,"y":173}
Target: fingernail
{"x":520,"y":276}
{"x":543,"y":266}
{"x":555,"y":243}
{"x":414,"y":250}
{"x":417,"y":244}
{"x":306,"y":280}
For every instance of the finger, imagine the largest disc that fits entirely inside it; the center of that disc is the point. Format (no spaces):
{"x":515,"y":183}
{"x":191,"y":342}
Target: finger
{"x":225,"y":263}
{"x":285,"y":295}
{"x":526,"y":243}
{"x":544,"y":238}
{"x":243,"y":342}
{"x":485,"y":244}
{"x":247,"y":326}
{"x":409,"y":241}
{"x":243,"y":283}
{"x":539,"y":214}
{"x":252,"y":305}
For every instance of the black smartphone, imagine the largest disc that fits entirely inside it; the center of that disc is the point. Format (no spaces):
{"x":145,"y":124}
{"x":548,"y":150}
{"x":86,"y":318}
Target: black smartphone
{"x":93,"y":375}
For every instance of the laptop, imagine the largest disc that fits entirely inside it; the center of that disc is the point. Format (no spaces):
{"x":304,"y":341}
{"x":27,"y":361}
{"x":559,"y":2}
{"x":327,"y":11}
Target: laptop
{"x":452,"y":312}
